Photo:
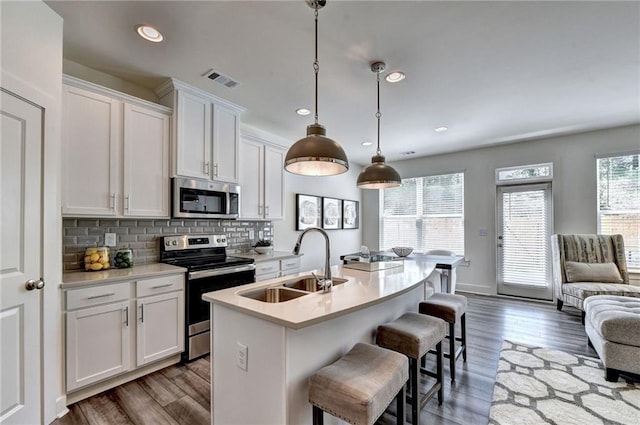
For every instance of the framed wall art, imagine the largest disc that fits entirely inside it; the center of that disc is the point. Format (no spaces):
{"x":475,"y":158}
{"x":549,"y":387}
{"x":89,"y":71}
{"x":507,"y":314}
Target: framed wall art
{"x":308,"y":211}
{"x":331,"y":213}
{"x":350,"y":214}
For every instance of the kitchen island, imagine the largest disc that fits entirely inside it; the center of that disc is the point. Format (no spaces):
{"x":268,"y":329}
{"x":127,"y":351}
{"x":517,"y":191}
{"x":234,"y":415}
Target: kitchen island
{"x":263,"y":353}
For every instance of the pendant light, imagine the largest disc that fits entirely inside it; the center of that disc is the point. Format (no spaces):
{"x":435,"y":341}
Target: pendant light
{"x":378,"y":175}
{"x":316,"y":154}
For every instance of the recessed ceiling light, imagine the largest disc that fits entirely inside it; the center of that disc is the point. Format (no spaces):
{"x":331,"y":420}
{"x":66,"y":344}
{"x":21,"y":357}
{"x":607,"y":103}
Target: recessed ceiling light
{"x":150,"y":33}
{"x":407,"y":153}
{"x":366,"y":143}
{"x":303,"y":111}
{"x":395,"y":76}
{"x":440,"y":129}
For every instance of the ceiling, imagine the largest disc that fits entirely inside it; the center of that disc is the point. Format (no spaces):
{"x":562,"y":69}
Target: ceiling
{"x":493,"y":72}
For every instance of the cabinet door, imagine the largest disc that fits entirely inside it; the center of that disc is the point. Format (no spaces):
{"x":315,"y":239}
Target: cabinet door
{"x":194,"y":136}
{"x":251,"y":172}
{"x":97,"y":343}
{"x":273,"y":182}
{"x":90,"y":150}
{"x":146,"y":162}
{"x":160,"y":330}
{"x":226,"y":129}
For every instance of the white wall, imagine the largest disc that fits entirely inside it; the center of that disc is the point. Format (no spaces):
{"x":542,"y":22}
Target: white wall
{"x":313,"y":244}
{"x":32,"y":68}
{"x":573,"y":187}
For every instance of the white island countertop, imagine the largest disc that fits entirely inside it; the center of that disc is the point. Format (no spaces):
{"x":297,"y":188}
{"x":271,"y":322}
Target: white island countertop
{"x":362,"y":289}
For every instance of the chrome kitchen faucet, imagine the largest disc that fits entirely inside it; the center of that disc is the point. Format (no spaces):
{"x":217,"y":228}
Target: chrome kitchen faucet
{"x":326,"y":283}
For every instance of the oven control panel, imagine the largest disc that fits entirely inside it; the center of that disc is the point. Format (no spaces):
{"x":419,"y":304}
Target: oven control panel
{"x":175,"y":243}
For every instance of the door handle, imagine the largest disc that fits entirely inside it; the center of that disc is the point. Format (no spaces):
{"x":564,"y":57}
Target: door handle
{"x":31,"y":284}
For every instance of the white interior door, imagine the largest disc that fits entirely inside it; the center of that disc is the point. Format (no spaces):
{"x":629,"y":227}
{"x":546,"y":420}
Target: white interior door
{"x":20,"y":261}
{"x":524,"y":230}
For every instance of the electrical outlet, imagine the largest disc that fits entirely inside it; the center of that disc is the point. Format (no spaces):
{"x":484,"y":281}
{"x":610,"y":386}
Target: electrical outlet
{"x":110,"y":239}
{"x":242,"y":359}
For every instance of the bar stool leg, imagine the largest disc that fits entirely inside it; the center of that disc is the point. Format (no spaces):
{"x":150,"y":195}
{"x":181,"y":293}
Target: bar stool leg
{"x":452,"y":351}
{"x":400,"y":402}
{"x":439,"y":373}
{"x":414,"y":378}
{"x":318,"y":418}
{"x":463,"y":325}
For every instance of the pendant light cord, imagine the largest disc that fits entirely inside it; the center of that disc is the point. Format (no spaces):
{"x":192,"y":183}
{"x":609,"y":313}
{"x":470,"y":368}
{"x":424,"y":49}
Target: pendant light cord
{"x":316,"y":64}
{"x":378,"y":114}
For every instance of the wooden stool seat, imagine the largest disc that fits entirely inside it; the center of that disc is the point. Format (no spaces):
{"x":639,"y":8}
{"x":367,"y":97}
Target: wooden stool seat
{"x":359,"y":386}
{"x":451,"y":308}
{"x":413,"y":335}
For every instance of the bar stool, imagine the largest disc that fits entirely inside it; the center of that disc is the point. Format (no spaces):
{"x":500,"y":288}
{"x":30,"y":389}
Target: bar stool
{"x":450,"y":308}
{"x":359,"y":386}
{"x":413,"y":335}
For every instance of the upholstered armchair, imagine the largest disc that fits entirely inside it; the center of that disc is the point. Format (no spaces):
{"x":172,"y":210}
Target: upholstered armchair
{"x":585,"y":265}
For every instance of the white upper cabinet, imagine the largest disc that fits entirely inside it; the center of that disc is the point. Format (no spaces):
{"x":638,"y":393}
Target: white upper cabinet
{"x":207,"y":130}
{"x":146,"y":162}
{"x":261,"y":180}
{"x":90,"y":152}
{"x":115,"y":153}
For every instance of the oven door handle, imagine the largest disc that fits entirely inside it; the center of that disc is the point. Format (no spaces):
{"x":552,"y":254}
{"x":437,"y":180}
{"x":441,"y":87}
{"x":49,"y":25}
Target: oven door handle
{"x":221,"y":271}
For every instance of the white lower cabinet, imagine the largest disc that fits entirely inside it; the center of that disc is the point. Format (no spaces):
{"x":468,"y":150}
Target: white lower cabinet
{"x":160,"y":329}
{"x":115,"y":328}
{"x":97,"y":343}
{"x":276,"y":268}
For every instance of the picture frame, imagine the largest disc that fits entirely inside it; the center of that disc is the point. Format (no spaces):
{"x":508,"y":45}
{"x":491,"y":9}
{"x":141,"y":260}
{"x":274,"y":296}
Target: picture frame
{"x":350,"y":214}
{"x":308,"y":211}
{"x":331,"y":213}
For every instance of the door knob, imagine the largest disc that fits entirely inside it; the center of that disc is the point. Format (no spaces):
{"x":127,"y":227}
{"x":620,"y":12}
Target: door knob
{"x":34,"y":284}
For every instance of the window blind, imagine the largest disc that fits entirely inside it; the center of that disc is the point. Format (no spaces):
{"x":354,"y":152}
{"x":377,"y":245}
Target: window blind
{"x":619,"y":202}
{"x":424,"y":213}
{"x":524,"y":237}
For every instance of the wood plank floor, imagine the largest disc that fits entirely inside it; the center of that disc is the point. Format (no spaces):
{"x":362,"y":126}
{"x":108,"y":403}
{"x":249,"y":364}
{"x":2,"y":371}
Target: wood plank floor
{"x":180,"y":394}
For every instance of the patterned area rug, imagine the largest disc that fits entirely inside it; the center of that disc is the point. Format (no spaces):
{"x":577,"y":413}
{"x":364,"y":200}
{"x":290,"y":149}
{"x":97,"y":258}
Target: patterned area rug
{"x":542,"y":386}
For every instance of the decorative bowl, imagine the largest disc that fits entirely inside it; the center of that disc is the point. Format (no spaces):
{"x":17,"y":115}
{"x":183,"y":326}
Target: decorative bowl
{"x":263,"y":249}
{"x":402,"y":251}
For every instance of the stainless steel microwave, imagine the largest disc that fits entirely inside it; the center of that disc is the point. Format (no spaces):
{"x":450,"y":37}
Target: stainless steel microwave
{"x":193,"y":198}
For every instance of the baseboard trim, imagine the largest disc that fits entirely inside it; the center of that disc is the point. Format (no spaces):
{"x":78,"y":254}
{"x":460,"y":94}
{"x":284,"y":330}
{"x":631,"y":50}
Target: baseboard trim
{"x":474,"y":289}
{"x":61,"y":406}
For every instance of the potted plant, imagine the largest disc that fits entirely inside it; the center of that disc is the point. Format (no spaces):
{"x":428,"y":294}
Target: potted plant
{"x":263,"y":246}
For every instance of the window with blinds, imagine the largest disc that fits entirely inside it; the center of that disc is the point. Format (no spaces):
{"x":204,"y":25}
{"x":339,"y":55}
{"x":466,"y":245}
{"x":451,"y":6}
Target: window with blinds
{"x":619,"y":202}
{"x":424,"y":213}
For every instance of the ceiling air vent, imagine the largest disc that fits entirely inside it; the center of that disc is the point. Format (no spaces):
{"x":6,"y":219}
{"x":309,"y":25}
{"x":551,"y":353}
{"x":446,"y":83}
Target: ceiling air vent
{"x":220,"y":78}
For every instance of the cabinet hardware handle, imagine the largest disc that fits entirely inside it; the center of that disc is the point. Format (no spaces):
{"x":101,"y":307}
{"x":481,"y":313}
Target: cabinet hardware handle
{"x":141,"y":313}
{"x":206,"y":168}
{"x":126,"y":316}
{"x":161,"y":286}
{"x":113,"y":201}
{"x":259,"y":209}
{"x":127,"y":200}
{"x":215,"y":169}
{"x":101,"y":296}
{"x":266,"y":210}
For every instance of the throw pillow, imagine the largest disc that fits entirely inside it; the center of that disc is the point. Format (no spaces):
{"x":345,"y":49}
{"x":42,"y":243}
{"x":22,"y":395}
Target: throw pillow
{"x":592,"y":272}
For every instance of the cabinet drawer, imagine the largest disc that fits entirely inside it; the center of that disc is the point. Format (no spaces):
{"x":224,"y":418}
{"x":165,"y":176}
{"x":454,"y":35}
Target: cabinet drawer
{"x":94,"y":295}
{"x":267,"y":267}
{"x":289,"y":264}
{"x":267,"y":276}
{"x":159,"y":285}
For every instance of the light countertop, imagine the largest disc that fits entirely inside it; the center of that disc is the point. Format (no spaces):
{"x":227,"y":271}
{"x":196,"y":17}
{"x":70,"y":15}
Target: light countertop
{"x":361,"y":290}
{"x":274,"y":255}
{"x":78,"y":279}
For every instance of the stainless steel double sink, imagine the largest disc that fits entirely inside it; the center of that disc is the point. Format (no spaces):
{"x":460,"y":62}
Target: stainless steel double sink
{"x":288,"y":290}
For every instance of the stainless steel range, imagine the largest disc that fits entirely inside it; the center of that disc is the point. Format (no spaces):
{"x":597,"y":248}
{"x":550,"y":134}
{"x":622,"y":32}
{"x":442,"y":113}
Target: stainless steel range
{"x":208,"y":269}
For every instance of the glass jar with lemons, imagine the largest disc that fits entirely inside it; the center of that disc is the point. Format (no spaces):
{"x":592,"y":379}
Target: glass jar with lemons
{"x":96,"y":258}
